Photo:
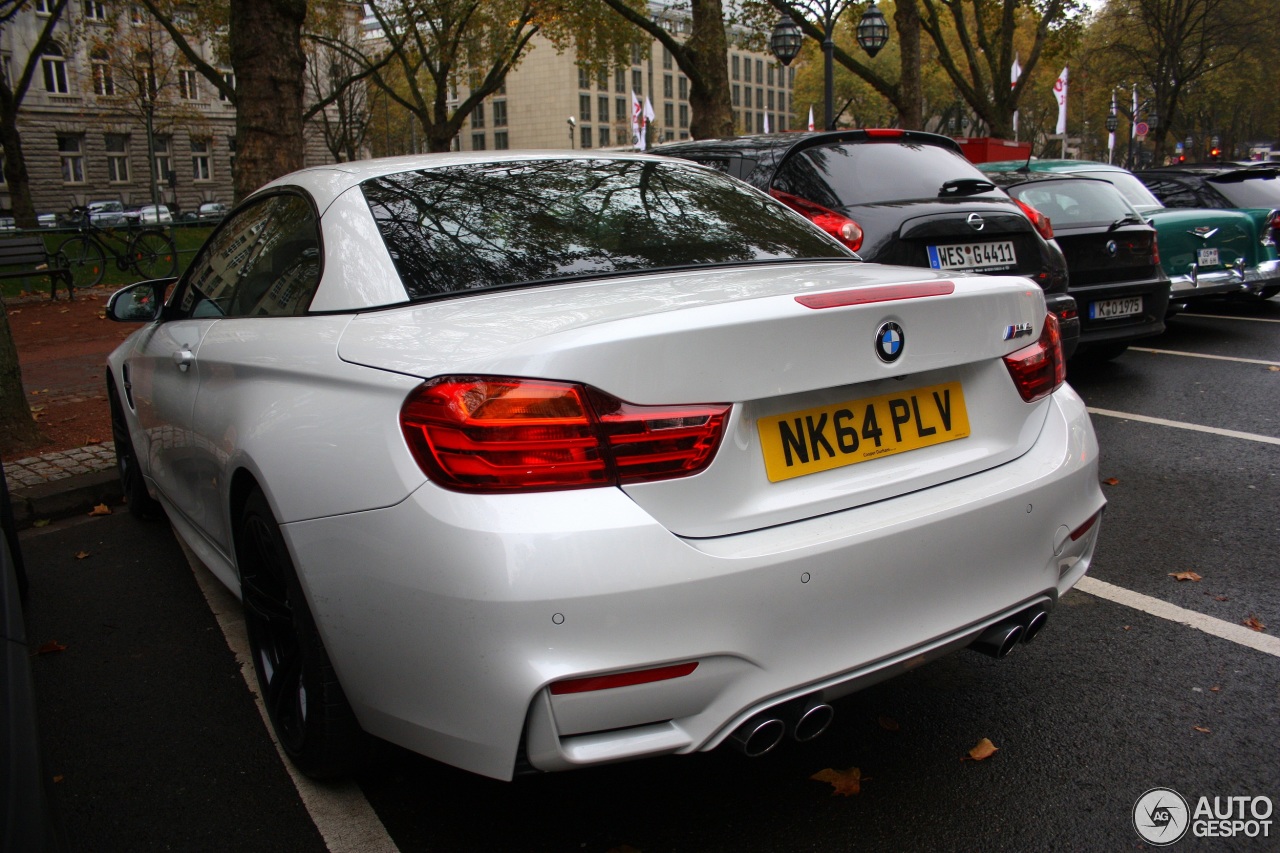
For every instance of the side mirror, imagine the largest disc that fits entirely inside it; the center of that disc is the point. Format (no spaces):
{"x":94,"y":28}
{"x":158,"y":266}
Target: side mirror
{"x":138,"y":303}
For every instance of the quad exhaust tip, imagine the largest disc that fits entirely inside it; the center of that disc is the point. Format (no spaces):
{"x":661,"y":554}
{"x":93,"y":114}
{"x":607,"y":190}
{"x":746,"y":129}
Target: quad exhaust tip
{"x":804,"y":720}
{"x":815,"y":719}
{"x":759,"y":735}
{"x":1001,"y":638}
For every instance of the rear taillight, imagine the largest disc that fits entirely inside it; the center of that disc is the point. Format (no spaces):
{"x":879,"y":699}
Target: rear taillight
{"x":1271,"y":234}
{"x":841,"y":227}
{"x":1039,"y":369}
{"x":502,"y":434}
{"x":885,"y":133}
{"x":1041,"y":222}
{"x":1155,"y":250}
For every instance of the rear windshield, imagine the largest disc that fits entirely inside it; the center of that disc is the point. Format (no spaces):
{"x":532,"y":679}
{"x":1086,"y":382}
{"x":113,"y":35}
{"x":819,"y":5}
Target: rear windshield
{"x":1262,"y":190}
{"x":486,"y":225}
{"x":1133,"y":189}
{"x":849,"y":173}
{"x":1075,"y":204}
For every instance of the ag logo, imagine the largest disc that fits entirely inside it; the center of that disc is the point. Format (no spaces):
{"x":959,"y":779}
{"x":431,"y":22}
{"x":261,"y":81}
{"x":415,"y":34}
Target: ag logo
{"x":889,"y":342}
{"x":1161,"y":816}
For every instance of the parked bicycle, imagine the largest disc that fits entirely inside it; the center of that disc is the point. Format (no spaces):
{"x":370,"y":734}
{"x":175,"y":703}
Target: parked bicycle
{"x":149,"y":252}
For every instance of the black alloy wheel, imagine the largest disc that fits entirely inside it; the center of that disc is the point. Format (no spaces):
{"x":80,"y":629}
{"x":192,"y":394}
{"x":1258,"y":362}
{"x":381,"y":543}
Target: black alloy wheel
{"x":309,"y":712}
{"x":140,"y":503}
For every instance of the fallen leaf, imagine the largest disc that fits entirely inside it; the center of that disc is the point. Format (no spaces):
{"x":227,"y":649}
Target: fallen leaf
{"x":888,"y":724}
{"x":58,"y":779}
{"x":1126,"y":627}
{"x":41,"y":522}
{"x":1273,"y":368}
{"x":65,"y":311}
{"x":51,"y":647}
{"x":1111,"y":481}
{"x":1185,"y":576}
{"x":101,"y":509}
{"x":845,"y":782}
{"x":1201,"y":729}
{"x":80,"y":555}
{"x":984,"y":750}
{"x":1215,"y":689}
{"x":1255,"y":623}
{"x":1219,"y":597}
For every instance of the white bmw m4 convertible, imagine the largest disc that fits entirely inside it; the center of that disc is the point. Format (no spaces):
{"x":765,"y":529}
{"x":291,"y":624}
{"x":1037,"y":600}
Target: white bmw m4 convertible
{"x":539,"y":460}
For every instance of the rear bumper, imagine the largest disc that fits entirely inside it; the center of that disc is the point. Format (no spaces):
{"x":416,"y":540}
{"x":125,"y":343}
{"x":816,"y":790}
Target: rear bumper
{"x":1198,"y":285}
{"x":1155,"y":295}
{"x":448,"y":617}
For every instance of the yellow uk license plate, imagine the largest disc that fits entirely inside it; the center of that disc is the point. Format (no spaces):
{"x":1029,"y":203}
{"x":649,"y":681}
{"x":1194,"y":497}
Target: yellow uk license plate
{"x":833,"y":436}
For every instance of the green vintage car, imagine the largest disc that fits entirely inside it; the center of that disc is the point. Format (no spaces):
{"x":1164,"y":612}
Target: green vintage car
{"x":1205,"y":252}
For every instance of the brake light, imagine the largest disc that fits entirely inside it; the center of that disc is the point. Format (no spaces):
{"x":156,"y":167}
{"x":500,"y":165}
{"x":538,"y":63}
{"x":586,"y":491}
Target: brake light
{"x":1039,"y":369}
{"x":1155,"y":250}
{"x":884,"y":133}
{"x":502,"y":434}
{"x":1041,"y":222}
{"x":841,"y":227}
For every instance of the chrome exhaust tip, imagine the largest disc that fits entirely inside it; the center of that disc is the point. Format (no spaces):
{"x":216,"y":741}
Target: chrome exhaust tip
{"x":758,"y":736}
{"x":998,"y":640}
{"x":813,"y":721}
{"x":1035,"y":622}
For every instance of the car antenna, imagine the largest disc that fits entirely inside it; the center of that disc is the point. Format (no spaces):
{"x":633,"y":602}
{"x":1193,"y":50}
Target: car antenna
{"x":1025,"y":168}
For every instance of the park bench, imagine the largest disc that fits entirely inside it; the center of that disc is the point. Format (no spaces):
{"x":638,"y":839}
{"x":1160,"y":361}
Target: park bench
{"x":25,"y":256}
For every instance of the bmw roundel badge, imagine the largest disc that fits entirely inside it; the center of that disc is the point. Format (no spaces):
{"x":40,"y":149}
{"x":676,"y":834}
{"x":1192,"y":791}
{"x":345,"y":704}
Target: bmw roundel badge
{"x":890,"y":341}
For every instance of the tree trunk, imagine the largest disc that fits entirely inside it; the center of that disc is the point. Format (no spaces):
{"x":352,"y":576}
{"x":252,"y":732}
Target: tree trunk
{"x":907,"y":21}
{"x":15,"y":171}
{"x":267,"y":56}
{"x":17,"y":429}
{"x":709,"y":103}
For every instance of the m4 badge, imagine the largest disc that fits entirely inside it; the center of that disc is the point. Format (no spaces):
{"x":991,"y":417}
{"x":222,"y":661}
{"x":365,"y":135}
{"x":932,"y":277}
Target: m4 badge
{"x":1017,"y":330}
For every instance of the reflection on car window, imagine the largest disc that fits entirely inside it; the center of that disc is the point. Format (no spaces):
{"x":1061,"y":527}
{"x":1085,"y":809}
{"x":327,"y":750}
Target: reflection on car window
{"x":489,"y":225}
{"x":847,"y":173}
{"x":1074,"y":203}
{"x":1130,"y":187}
{"x":265,"y":262}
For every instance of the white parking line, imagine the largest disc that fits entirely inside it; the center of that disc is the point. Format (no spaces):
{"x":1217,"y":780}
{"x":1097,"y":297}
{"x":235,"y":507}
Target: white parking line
{"x":1164,"y":610}
{"x":340,"y":811}
{"x":1229,"y":433}
{"x":1226,"y":317}
{"x":1205,"y":355}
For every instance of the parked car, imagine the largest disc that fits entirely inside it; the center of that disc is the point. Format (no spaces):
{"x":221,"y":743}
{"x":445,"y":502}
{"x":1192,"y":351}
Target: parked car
{"x":896,"y":197}
{"x":1253,"y":189}
{"x":1206,"y":253}
{"x":1113,"y":258}
{"x":152,"y":214}
{"x":211,"y":211}
{"x":556,"y":460}
{"x":106,"y":214}
{"x":47,"y":220}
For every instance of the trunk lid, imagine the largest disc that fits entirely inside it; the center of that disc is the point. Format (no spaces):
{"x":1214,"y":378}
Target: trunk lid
{"x":740,"y":336}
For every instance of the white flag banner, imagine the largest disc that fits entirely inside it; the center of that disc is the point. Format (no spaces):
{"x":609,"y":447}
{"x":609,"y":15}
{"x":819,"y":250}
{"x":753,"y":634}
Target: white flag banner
{"x":1133,"y":116}
{"x":637,"y":122}
{"x":1015,"y":72}
{"x":766,"y":122}
{"x":811,"y":118}
{"x":649,"y":116}
{"x":1111,"y":137}
{"x":1060,"y":90}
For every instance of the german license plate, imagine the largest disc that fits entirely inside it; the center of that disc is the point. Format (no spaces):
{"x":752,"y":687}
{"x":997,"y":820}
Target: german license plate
{"x":833,"y":436}
{"x":973,"y":256}
{"x":1105,"y":309}
{"x":1208,"y":258}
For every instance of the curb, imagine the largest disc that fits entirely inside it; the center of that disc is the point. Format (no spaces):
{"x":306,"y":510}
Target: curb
{"x":75,"y":495}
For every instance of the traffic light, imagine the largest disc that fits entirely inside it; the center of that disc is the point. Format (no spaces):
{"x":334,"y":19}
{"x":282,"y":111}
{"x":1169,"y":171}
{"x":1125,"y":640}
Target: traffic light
{"x":1215,"y":154}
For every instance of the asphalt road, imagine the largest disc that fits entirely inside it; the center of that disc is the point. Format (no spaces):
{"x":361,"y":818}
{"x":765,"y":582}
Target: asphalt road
{"x":157,"y":744}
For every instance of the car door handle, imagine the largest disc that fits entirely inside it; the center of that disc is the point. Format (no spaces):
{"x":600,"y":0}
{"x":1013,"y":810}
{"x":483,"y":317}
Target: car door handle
{"x":184,"y":358}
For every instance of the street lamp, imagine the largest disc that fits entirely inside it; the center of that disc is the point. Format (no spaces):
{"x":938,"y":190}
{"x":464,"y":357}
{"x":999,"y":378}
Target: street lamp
{"x":872,"y":33}
{"x":573,"y":124}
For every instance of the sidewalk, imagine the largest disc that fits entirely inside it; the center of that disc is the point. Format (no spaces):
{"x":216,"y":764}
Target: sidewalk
{"x":61,"y":484}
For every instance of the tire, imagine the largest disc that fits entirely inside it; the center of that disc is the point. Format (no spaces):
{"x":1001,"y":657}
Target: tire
{"x":85,"y":259}
{"x":153,"y":255}
{"x":309,"y":712}
{"x":141,"y":505}
{"x":1268,"y":292}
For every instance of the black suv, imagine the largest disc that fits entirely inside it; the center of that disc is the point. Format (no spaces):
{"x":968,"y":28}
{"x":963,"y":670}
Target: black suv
{"x":1113,"y":257}
{"x":897,"y":197}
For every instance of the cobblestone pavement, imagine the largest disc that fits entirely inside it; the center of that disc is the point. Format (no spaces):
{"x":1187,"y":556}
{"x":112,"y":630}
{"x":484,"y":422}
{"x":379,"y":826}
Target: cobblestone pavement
{"x":35,"y":470}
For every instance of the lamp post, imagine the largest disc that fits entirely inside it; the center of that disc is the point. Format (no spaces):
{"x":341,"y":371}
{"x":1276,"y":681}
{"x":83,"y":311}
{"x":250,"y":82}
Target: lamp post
{"x":573,"y":124}
{"x":1152,"y":121}
{"x":787,"y":37}
{"x":1112,"y":123}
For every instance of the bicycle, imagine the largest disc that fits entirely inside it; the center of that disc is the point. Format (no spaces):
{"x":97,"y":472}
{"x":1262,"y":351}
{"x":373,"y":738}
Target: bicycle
{"x":150,"y":252}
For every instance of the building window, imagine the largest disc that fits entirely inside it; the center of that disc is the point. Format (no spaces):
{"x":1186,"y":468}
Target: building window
{"x":477,"y":142}
{"x":620,"y":81}
{"x":636,"y":54}
{"x":759,"y":99}
{"x":666,"y":58}
{"x":71,"y":152}
{"x":136,"y":15}
{"x":746,"y":69}
{"x":737,"y":95}
{"x":201,"y":166}
{"x":95,"y":10}
{"x":42,"y":7}
{"x":621,"y":113}
{"x":602,"y":104}
{"x":103,"y":81}
{"x":684,"y":115}
{"x":584,"y":108}
{"x":769,"y":99}
{"x":684,"y":88}
{"x":604,"y":137}
{"x":164,"y":165}
{"x":54,"y":66}
{"x":187,"y":87}
{"x":500,"y":140}
{"x":117,"y":145}
{"x":499,"y":113}
{"x":759,"y":70}
{"x":736,"y":74}
{"x":637,"y":79}
{"x":586,"y":136}
{"x":477,"y":116}
{"x":770,"y":73}
{"x":584,"y":81}
{"x":669,"y":115}
{"x":667,"y":90}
